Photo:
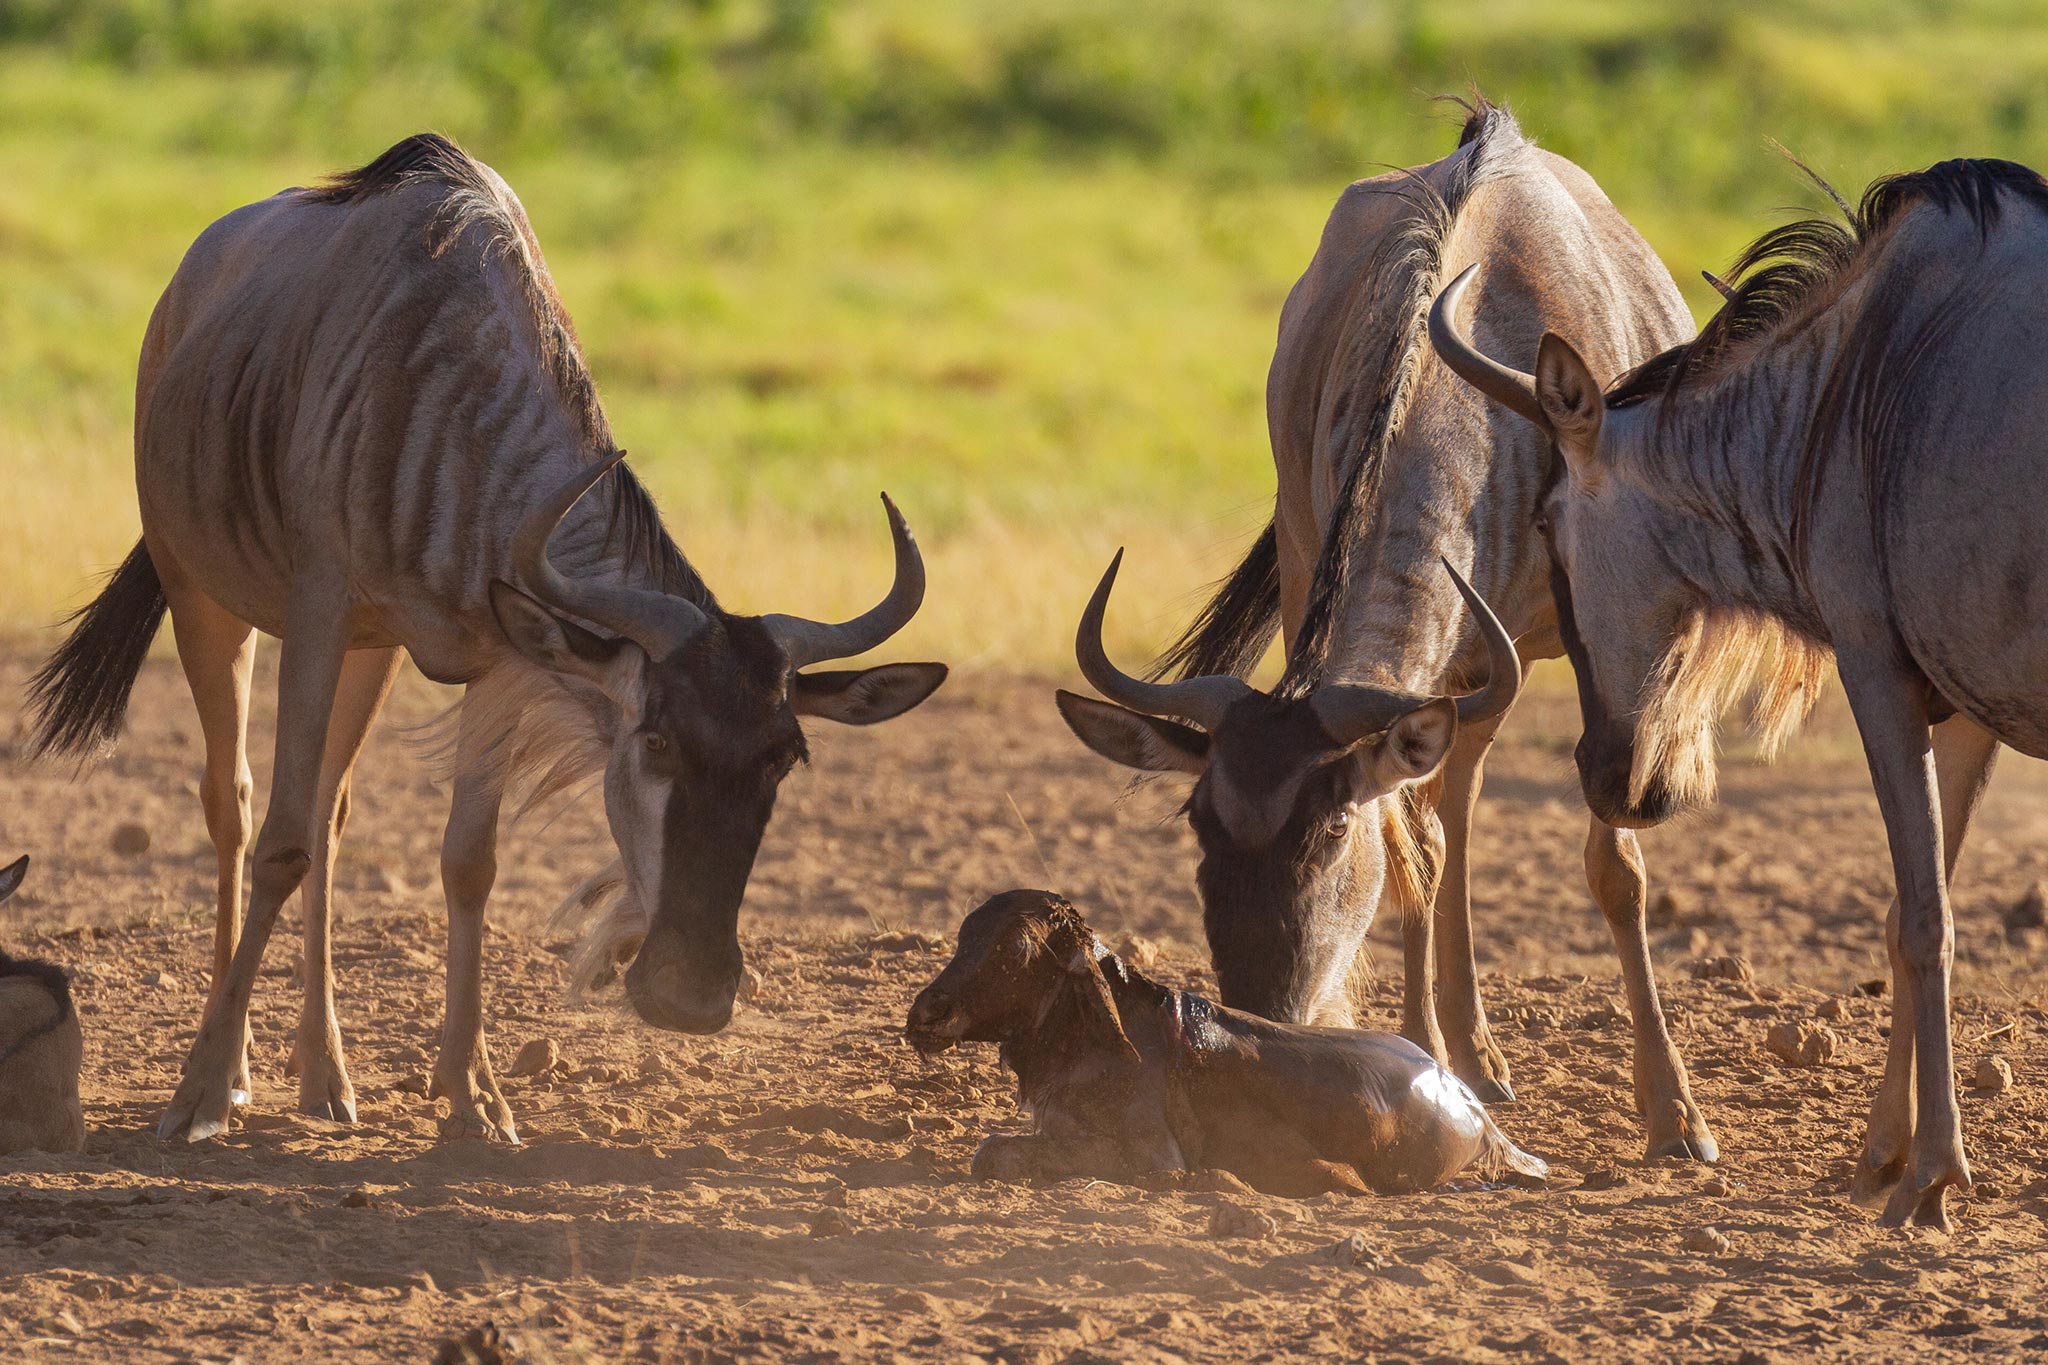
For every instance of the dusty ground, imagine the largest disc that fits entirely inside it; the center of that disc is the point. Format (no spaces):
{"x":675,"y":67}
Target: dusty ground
{"x":795,"y":1189}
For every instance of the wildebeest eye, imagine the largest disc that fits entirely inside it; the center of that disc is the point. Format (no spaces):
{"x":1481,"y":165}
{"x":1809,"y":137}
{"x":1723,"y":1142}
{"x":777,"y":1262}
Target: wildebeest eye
{"x":655,"y":741}
{"x":1338,"y":822}
{"x":1543,"y":523}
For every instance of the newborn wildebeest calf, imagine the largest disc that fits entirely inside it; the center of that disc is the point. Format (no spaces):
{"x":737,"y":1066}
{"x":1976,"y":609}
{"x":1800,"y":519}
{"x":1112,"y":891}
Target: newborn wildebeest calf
{"x":1125,"y":1077}
{"x":40,"y":1050}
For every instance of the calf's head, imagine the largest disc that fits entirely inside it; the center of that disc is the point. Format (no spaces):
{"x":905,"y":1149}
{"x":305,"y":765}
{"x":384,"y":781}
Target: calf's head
{"x":1286,"y":803}
{"x":703,"y":710}
{"x":1655,"y":667}
{"x":1027,"y":965}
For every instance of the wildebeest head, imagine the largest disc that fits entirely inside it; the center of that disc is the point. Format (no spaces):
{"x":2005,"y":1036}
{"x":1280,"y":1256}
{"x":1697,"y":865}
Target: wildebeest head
{"x":1285,"y":804}
{"x":1024,"y":959}
{"x":1655,"y":669}
{"x":704,"y":719}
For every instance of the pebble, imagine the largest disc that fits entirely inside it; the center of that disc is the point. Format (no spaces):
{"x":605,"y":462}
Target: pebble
{"x":1835,"y":1011}
{"x":1239,"y":1220}
{"x":1355,"y":1251}
{"x":1718,"y":1187}
{"x":750,"y":985}
{"x":536,"y":1058}
{"x":1604,"y":1178}
{"x":130,"y":839}
{"x":1994,"y":1075}
{"x":1735,"y":969}
{"x":1708,"y":1241}
{"x":159,"y":980}
{"x":831,"y":1223}
{"x":1797,"y":1044}
{"x":359,"y":1199}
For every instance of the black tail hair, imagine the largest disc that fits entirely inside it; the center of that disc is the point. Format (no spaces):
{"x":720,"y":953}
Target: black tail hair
{"x":1234,"y":629}
{"x":81,"y":693}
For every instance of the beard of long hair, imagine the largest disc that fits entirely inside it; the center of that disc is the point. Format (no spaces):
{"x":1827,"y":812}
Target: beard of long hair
{"x":1718,"y":658}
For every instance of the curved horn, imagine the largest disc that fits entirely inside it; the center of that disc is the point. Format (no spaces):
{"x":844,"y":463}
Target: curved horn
{"x":1350,"y":713}
{"x":655,"y":621}
{"x":1721,"y":286}
{"x":1503,"y":665}
{"x":811,"y":642}
{"x":1202,"y":700}
{"x":1510,"y":388}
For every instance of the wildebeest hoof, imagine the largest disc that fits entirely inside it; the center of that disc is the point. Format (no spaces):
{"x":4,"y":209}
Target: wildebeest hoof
{"x":324,"y":1088}
{"x":1013,"y":1160}
{"x":1874,"y":1180}
{"x":1683,"y":1136}
{"x":1480,"y":1064}
{"x":473,"y":1125}
{"x":198,"y":1111}
{"x":476,"y":1109}
{"x":1922,"y":1204}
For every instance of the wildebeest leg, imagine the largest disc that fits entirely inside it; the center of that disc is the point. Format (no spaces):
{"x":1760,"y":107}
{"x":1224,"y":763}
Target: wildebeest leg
{"x":1418,"y":950}
{"x":218,"y":652}
{"x":1673,"y":1124}
{"x":469,"y":868}
{"x":324,"y":1088}
{"x":1964,"y":753}
{"x":309,"y":666}
{"x":1888,"y":698}
{"x":1474,"y":1057}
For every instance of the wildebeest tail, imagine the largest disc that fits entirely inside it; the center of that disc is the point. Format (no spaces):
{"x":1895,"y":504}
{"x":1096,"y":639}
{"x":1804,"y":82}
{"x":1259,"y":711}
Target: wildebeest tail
{"x":80,"y":694}
{"x":1234,"y":629}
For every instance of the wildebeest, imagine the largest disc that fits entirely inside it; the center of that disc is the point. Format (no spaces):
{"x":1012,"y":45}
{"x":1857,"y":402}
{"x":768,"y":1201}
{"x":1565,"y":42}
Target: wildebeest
{"x":1125,"y":1077}
{"x":364,"y":425}
{"x":1387,"y":464}
{"x":1847,"y":458}
{"x":41,"y":1049}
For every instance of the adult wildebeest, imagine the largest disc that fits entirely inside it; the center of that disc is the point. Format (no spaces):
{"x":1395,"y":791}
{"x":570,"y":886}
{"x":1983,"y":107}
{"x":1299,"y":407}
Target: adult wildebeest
{"x":1846,"y":458}
{"x":361,"y":419}
{"x":1125,"y":1077}
{"x":1386,"y":464}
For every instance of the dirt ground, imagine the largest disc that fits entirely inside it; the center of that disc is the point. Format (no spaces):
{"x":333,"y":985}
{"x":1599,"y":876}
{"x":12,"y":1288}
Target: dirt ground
{"x":796,"y":1188}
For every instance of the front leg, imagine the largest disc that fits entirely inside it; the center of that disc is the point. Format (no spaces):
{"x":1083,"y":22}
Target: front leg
{"x":1673,"y":1124}
{"x":1889,"y":699}
{"x":1964,"y":755}
{"x":469,"y":868}
{"x":1475,"y":1058}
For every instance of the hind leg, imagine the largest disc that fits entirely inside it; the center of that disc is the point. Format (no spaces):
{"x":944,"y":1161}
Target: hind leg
{"x":317,"y":1060}
{"x":317,"y":629}
{"x":1475,"y":1057}
{"x":218,"y":652}
{"x":469,"y":868}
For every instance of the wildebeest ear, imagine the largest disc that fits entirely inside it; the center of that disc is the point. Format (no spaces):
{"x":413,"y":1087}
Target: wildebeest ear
{"x":554,"y":642}
{"x":1146,"y":743}
{"x":1415,"y":746}
{"x":1572,"y":400}
{"x":11,"y":875}
{"x":1091,"y":993}
{"x":863,"y":696}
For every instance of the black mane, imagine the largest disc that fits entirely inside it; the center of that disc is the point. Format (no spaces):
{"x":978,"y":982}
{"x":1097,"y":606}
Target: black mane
{"x":471,"y":198}
{"x":1233,"y":630}
{"x":1780,"y":271}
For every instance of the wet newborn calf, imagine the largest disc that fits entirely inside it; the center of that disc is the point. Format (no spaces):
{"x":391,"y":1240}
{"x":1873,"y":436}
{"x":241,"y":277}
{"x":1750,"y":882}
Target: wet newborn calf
{"x":40,"y":1050}
{"x":1124,"y":1077}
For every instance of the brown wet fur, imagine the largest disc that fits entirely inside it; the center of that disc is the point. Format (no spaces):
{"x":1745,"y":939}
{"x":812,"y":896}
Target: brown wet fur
{"x":663,"y":1205}
{"x":1125,"y":1077}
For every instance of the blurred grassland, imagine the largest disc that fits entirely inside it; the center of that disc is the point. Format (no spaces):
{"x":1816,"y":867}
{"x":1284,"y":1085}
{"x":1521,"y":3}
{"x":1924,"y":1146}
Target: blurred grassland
{"x":1018,"y":263}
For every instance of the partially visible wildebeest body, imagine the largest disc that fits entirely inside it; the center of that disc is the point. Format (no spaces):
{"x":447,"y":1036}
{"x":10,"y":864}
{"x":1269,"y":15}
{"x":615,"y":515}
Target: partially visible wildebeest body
{"x":41,"y":1050}
{"x":1125,"y":1077}
{"x":1387,"y":464}
{"x":1849,"y":458}
{"x":362,"y":417}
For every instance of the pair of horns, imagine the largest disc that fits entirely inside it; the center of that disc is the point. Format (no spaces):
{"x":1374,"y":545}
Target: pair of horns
{"x":1347,"y":712}
{"x":660,"y":623}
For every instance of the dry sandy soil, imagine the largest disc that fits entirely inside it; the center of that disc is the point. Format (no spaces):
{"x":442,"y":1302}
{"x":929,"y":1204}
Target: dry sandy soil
{"x":797,"y":1188}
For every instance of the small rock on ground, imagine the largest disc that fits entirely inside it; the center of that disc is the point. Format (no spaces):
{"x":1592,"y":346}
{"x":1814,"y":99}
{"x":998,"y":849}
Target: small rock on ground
{"x":540,"y":1055}
{"x":1994,"y":1075}
{"x":130,"y":839}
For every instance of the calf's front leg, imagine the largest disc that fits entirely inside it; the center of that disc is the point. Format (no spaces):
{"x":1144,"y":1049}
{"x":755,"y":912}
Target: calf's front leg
{"x":1888,"y":698}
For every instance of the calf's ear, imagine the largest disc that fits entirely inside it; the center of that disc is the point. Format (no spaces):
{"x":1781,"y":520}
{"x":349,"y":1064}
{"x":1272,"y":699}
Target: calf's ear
{"x":1090,"y":991}
{"x":1146,"y":743}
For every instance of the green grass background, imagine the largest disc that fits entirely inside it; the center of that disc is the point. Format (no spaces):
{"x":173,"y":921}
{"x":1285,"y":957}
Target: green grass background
{"x":1016,"y":261}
